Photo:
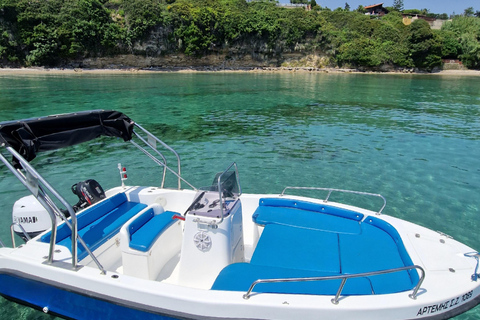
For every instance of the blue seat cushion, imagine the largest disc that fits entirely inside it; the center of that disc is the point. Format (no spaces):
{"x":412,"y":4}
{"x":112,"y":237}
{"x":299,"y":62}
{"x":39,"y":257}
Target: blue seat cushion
{"x":144,"y":237}
{"x":318,"y":220}
{"x":310,"y":206}
{"x":87,"y":216}
{"x":307,"y":215}
{"x":98,"y":223}
{"x":239,"y":277}
{"x":377,"y":247}
{"x":104,"y":228}
{"x":375,"y":250}
{"x":140,"y":221}
{"x":297,"y":248}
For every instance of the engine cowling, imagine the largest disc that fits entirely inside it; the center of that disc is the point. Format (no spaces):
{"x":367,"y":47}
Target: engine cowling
{"x":33,"y":217}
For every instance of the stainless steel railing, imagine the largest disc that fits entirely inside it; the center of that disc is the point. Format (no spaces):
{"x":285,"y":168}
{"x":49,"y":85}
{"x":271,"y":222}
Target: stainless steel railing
{"x":40,"y":188}
{"x":344,"y":279}
{"x":330,"y":190}
{"x":12,"y":232}
{"x":152,"y":141}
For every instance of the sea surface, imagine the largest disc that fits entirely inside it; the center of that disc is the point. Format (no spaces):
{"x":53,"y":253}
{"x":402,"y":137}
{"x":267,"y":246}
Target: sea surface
{"x":415,"y":139}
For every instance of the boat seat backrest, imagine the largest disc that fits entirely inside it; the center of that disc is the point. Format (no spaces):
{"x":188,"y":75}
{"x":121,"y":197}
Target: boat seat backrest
{"x":305,"y":214}
{"x":140,"y":221}
{"x":310,"y":206}
{"x":393,"y":233}
{"x":97,"y":211}
{"x":88,"y":216}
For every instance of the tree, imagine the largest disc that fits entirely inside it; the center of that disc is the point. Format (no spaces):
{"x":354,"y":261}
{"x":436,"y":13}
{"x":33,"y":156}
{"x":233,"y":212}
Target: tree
{"x":425,"y":46}
{"x":425,"y":11}
{"x":398,"y":5}
{"x":469,"y":12}
{"x":361,"y":9}
{"x":347,"y":6}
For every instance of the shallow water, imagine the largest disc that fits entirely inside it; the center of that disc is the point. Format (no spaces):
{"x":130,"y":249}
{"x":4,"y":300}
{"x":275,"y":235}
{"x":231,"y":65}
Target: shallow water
{"x":414,"y":139}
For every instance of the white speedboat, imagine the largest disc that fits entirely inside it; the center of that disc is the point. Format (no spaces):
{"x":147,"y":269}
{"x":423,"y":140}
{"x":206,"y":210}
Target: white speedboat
{"x":158,"y":252}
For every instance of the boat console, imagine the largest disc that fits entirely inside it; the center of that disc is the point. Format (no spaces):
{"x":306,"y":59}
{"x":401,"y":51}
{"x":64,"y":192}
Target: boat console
{"x":213,"y":232}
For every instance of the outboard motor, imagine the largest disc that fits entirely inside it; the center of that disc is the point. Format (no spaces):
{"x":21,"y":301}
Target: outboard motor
{"x":34,"y":218}
{"x":88,"y":193}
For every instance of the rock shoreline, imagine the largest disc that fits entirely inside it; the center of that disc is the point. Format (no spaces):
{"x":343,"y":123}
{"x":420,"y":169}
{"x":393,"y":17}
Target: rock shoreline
{"x":193,"y":69}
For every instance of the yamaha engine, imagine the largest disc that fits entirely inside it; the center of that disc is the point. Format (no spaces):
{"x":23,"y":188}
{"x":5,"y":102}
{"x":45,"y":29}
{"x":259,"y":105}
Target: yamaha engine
{"x":34,"y":218}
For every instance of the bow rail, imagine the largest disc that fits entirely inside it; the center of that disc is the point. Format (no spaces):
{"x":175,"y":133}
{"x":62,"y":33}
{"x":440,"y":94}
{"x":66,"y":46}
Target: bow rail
{"x":344,"y":279}
{"x":330,"y":190}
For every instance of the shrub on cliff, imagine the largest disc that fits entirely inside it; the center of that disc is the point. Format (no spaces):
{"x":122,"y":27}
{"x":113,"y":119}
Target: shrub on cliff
{"x":53,"y":32}
{"x":49,"y":31}
{"x":466,"y":31}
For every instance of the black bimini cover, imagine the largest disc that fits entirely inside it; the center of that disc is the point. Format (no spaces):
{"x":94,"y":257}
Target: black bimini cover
{"x":30,"y":136}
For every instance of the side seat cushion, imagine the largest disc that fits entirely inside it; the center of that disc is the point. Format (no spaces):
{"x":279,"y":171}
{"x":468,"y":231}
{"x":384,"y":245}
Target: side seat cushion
{"x":146,"y":235}
{"x":279,"y":246}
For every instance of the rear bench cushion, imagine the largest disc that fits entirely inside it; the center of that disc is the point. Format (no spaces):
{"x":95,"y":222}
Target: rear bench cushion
{"x":88,"y":215}
{"x":98,"y":223}
{"x":297,"y":248}
{"x":239,"y":277}
{"x":307,"y":215}
{"x":101,"y":230}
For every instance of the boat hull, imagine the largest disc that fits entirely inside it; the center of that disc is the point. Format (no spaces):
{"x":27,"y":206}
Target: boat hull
{"x":57,"y":299}
{"x":57,"y":296}
{"x":86,"y":293}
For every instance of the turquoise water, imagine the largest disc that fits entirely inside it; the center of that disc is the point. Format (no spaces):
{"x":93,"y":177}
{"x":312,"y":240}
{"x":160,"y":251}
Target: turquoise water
{"x":414,"y":139}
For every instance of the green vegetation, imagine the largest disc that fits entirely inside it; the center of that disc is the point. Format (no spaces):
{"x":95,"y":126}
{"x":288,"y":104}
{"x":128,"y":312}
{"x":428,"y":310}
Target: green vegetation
{"x":57,"y":32}
{"x":466,"y":32}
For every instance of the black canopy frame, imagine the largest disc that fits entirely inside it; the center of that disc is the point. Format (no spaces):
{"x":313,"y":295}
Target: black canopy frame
{"x":31,"y":136}
{"x":23,"y":139}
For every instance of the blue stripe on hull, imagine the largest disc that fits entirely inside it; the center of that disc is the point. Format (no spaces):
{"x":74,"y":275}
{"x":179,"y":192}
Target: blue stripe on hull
{"x":67,"y":303}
